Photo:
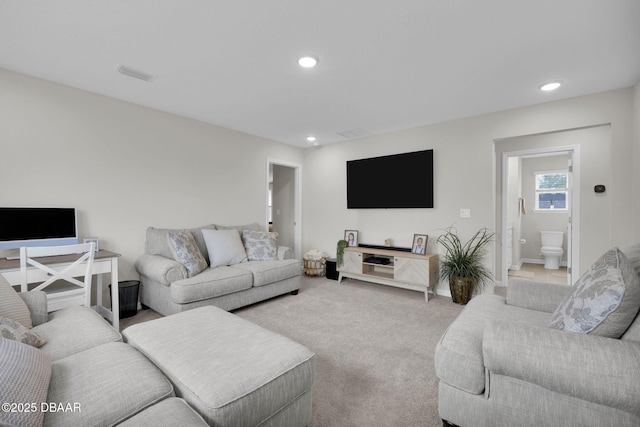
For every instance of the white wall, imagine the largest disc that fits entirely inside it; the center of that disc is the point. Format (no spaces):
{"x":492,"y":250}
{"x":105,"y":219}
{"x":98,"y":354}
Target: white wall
{"x":126,"y":167}
{"x":465,"y":173}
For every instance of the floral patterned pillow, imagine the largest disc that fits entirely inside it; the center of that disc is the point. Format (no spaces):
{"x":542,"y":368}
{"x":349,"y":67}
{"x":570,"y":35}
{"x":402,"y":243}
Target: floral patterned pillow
{"x":604,"y":301}
{"x":12,"y":330}
{"x":185,"y":250}
{"x":260,"y":245}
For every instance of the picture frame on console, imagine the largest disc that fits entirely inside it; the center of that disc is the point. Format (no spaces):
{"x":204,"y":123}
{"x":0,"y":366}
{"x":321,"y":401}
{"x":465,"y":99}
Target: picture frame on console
{"x":351,"y":236}
{"x":419,"y":245}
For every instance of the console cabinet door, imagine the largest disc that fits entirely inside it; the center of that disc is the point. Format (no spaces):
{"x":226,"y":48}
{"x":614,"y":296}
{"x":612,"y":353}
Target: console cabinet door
{"x":411,"y":270}
{"x":352,"y":262}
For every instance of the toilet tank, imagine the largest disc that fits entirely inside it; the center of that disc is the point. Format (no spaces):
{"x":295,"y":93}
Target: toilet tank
{"x":552,"y":239}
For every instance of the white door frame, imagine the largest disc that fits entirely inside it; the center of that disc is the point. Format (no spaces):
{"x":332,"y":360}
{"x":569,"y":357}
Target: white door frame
{"x":574,"y":220}
{"x":297,"y":225}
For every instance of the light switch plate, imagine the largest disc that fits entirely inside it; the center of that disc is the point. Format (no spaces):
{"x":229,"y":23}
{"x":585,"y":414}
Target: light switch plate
{"x":465,"y":213}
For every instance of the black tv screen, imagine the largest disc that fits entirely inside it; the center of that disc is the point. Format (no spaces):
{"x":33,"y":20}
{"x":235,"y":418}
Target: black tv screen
{"x":396,"y":181}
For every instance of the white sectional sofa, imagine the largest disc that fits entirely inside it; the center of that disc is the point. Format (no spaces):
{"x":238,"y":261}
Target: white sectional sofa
{"x":202,"y":367}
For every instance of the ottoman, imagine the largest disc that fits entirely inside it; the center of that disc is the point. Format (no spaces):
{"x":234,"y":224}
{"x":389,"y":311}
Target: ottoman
{"x":231,"y":371}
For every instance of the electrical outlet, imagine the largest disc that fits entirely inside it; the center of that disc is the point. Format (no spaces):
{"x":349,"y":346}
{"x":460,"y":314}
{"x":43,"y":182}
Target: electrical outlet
{"x":465,"y":213}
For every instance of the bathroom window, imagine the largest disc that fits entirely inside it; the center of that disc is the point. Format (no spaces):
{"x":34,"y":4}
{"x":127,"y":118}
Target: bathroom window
{"x":552,"y":191}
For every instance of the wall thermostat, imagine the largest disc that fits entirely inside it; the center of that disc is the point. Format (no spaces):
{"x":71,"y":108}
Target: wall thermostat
{"x":599,"y":188}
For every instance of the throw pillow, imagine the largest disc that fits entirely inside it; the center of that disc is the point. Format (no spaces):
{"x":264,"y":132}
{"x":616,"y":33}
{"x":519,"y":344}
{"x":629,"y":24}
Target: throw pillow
{"x":12,"y":330}
{"x":224,"y":247}
{"x":604,"y":301}
{"x":12,"y":306}
{"x":26,"y":373}
{"x":260,"y":245}
{"x":186,"y":252}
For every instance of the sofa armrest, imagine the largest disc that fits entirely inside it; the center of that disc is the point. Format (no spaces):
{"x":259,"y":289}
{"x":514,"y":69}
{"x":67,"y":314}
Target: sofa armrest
{"x":592,"y":368}
{"x":37,"y":303}
{"x":534,"y":295}
{"x":285,"y":252}
{"x":160,"y":269}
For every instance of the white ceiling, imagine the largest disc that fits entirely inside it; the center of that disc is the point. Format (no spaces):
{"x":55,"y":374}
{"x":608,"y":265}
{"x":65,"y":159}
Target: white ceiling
{"x":383,"y":65}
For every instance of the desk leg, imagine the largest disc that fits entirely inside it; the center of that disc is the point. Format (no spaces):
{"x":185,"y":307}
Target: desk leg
{"x":115,"y":300}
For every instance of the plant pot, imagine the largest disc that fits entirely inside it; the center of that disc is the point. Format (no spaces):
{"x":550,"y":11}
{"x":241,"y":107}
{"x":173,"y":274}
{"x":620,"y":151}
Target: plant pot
{"x":461,"y":289}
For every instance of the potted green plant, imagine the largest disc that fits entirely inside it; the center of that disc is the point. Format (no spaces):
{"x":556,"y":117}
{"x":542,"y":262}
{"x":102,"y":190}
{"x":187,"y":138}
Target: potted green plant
{"x":340,"y":253}
{"x":462,"y":263}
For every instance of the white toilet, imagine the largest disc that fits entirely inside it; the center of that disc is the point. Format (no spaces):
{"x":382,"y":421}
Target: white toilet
{"x":551,"y":248}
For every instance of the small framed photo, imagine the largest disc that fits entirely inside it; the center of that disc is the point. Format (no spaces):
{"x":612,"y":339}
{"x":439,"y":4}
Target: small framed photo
{"x":419,"y":244}
{"x":92,"y":239}
{"x":351,"y":236}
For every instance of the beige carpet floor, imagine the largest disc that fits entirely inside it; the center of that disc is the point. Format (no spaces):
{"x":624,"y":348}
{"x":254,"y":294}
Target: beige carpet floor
{"x":374,"y":348}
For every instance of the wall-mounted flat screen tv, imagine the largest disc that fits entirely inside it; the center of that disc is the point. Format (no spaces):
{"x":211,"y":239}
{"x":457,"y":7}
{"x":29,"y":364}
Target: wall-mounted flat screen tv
{"x":37,"y":226}
{"x":396,"y":181}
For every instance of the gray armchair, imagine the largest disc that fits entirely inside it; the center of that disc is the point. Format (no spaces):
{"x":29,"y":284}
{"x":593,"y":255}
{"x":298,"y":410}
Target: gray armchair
{"x":499,"y":364}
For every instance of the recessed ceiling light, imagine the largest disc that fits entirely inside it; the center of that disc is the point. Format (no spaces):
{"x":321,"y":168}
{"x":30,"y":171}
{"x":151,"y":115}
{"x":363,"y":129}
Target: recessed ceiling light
{"x":307,"y":61}
{"x":548,"y":87}
{"x":311,"y":138}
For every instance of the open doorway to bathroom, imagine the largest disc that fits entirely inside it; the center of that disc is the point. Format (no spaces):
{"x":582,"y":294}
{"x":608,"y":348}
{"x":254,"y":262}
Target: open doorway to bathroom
{"x":540,"y":194}
{"x":590,"y":212}
{"x":539,"y":198}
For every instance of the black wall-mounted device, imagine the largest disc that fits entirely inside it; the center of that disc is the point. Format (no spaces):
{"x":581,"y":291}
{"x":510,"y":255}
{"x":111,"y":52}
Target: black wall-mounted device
{"x":599,"y":188}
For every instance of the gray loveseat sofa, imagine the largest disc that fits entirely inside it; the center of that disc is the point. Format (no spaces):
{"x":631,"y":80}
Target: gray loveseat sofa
{"x":167,"y":288}
{"x":500,"y":364}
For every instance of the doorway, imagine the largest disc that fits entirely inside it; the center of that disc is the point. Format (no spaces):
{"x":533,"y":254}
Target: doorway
{"x":539,"y":194}
{"x":284,"y":203}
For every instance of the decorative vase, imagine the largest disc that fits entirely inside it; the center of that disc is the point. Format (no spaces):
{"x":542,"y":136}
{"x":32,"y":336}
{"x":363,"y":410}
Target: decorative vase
{"x":461,"y":289}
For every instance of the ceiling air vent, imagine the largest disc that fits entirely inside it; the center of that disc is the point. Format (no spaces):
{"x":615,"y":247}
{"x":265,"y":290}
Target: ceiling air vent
{"x":353,"y":133}
{"x":136,"y":74}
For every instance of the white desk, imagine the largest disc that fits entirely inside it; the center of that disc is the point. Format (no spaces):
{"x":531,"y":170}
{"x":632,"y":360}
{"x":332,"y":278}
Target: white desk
{"x":104,"y":262}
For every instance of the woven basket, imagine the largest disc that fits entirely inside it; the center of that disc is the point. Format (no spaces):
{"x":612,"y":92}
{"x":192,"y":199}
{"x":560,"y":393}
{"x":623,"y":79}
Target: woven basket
{"x":314,"y":267}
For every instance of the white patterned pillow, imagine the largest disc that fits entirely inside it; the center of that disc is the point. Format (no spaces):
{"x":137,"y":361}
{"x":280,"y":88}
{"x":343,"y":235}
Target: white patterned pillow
{"x":186,"y":252}
{"x":260,"y":245}
{"x":224,"y":247}
{"x":604,"y":301}
{"x":12,"y":330}
{"x":26,"y":373}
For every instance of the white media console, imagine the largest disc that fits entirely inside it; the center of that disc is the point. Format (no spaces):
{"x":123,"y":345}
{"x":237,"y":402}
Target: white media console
{"x":392,"y":268}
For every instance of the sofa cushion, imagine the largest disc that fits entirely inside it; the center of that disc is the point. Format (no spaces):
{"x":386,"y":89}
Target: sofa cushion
{"x":185,"y":250}
{"x":604,"y":301}
{"x":266,"y":272}
{"x":73,"y":330}
{"x":12,"y":330}
{"x":157,"y":243}
{"x":211,"y":283}
{"x":12,"y":306}
{"x":260,"y":245}
{"x":111,"y":382}
{"x":459,"y":359}
{"x":170,"y":412}
{"x":26,"y":372}
{"x":224,"y":247}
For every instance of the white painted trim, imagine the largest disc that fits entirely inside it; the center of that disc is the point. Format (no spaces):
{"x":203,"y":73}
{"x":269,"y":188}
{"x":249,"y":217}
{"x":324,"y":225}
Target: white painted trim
{"x":575,"y":201}
{"x":297,"y":229}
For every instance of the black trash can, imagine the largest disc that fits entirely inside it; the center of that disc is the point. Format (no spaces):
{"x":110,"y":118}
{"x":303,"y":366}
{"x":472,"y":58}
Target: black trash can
{"x":331,"y":269}
{"x":127,"y":297}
